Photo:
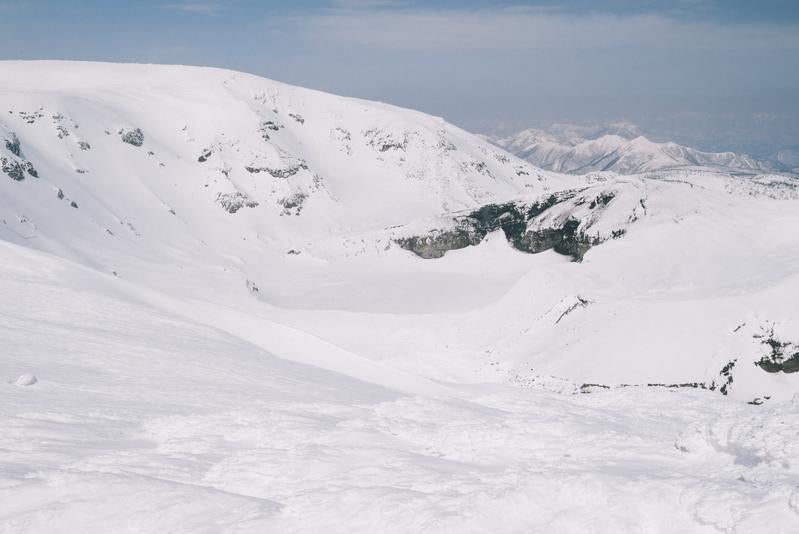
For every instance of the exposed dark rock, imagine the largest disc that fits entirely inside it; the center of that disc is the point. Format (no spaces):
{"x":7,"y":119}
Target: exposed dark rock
{"x":783,"y":356}
{"x":233,"y":202}
{"x":344,"y":138}
{"x":384,"y":142}
{"x":31,"y":169}
{"x":13,"y":145}
{"x":269,"y":126}
{"x":563,"y":234}
{"x":83,"y":145}
{"x":446,"y":145}
{"x":726,"y":378}
{"x":564,"y":239}
{"x":693,"y":385}
{"x":14,"y":169}
{"x":480,"y":167}
{"x":293,"y":204}
{"x":581,"y":303}
{"x":439,"y":242}
{"x":602,"y":199}
{"x":205,"y":155}
{"x":757,"y":401}
{"x":132,"y":137}
{"x":30,"y":117}
{"x":278,"y":173}
{"x":512,"y":218}
{"x":297,"y":117}
{"x":726,"y":372}
{"x":586,"y":388}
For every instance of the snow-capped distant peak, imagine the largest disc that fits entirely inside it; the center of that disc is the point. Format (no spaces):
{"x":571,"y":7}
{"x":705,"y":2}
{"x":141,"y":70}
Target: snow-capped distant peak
{"x":620,"y":148}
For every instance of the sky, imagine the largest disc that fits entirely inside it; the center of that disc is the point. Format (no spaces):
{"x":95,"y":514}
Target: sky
{"x":714,"y":74}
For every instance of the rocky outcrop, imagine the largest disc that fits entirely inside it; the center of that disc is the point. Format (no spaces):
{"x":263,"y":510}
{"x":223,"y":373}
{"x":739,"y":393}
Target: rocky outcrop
{"x":293,"y":204}
{"x":13,"y":145}
{"x":16,"y":166}
{"x":564,"y":222}
{"x":782,"y":357}
{"x":285,"y":172}
{"x":469,"y":230}
{"x":233,"y":202}
{"x":13,"y":169}
{"x":133,"y":137}
{"x":268,"y":126}
{"x":383,"y":141}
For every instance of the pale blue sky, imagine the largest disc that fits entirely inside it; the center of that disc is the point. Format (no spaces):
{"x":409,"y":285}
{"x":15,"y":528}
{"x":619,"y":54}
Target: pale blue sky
{"x":717,"y":74}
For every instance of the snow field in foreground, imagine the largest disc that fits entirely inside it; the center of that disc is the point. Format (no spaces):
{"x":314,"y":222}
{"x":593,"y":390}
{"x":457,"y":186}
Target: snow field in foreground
{"x":142,"y":421}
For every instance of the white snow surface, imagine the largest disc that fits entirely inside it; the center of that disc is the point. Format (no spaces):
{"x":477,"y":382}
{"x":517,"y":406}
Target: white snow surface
{"x":238,"y":344}
{"x":624,"y":152}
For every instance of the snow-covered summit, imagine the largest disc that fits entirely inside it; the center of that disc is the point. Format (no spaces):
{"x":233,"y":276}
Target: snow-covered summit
{"x":113,"y":138}
{"x":622,"y":150}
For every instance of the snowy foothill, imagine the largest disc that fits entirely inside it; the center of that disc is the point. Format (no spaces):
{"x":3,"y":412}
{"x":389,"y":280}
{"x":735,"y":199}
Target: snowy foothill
{"x":234,"y":305}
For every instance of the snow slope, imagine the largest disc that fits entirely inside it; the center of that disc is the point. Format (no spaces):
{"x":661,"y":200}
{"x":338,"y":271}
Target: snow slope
{"x":144,"y":421}
{"x":208,"y":274}
{"x":623,"y":154}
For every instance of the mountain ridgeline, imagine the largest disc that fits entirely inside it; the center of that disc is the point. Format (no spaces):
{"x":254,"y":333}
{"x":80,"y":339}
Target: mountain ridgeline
{"x":623,"y":150}
{"x":316,"y":212}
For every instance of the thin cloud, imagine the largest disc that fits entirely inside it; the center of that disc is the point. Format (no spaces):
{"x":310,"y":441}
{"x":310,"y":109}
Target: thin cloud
{"x":522,"y":28}
{"x":194,"y":7}
{"x":365,"y":4}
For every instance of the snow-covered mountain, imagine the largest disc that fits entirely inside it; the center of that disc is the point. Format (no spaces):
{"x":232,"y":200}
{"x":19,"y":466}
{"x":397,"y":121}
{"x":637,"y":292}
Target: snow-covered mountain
{"x":255,"y":307}
{"x":788,"y":159}
{"x":620,"y":150}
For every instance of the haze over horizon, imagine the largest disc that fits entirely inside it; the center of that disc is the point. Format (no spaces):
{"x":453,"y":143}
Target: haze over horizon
{"x":711,"y":74}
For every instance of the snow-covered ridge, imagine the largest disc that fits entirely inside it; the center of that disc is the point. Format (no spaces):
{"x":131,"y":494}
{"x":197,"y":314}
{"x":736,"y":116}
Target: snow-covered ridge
{"x":182,"y":177}
{"x":176,"y":139}
{"x":624,"y":152}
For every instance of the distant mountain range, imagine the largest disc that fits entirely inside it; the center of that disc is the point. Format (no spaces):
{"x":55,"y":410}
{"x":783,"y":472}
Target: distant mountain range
{"x":621,"y":148}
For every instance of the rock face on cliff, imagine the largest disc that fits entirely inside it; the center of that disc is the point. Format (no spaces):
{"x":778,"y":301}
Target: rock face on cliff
{"x":569,"y":222}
